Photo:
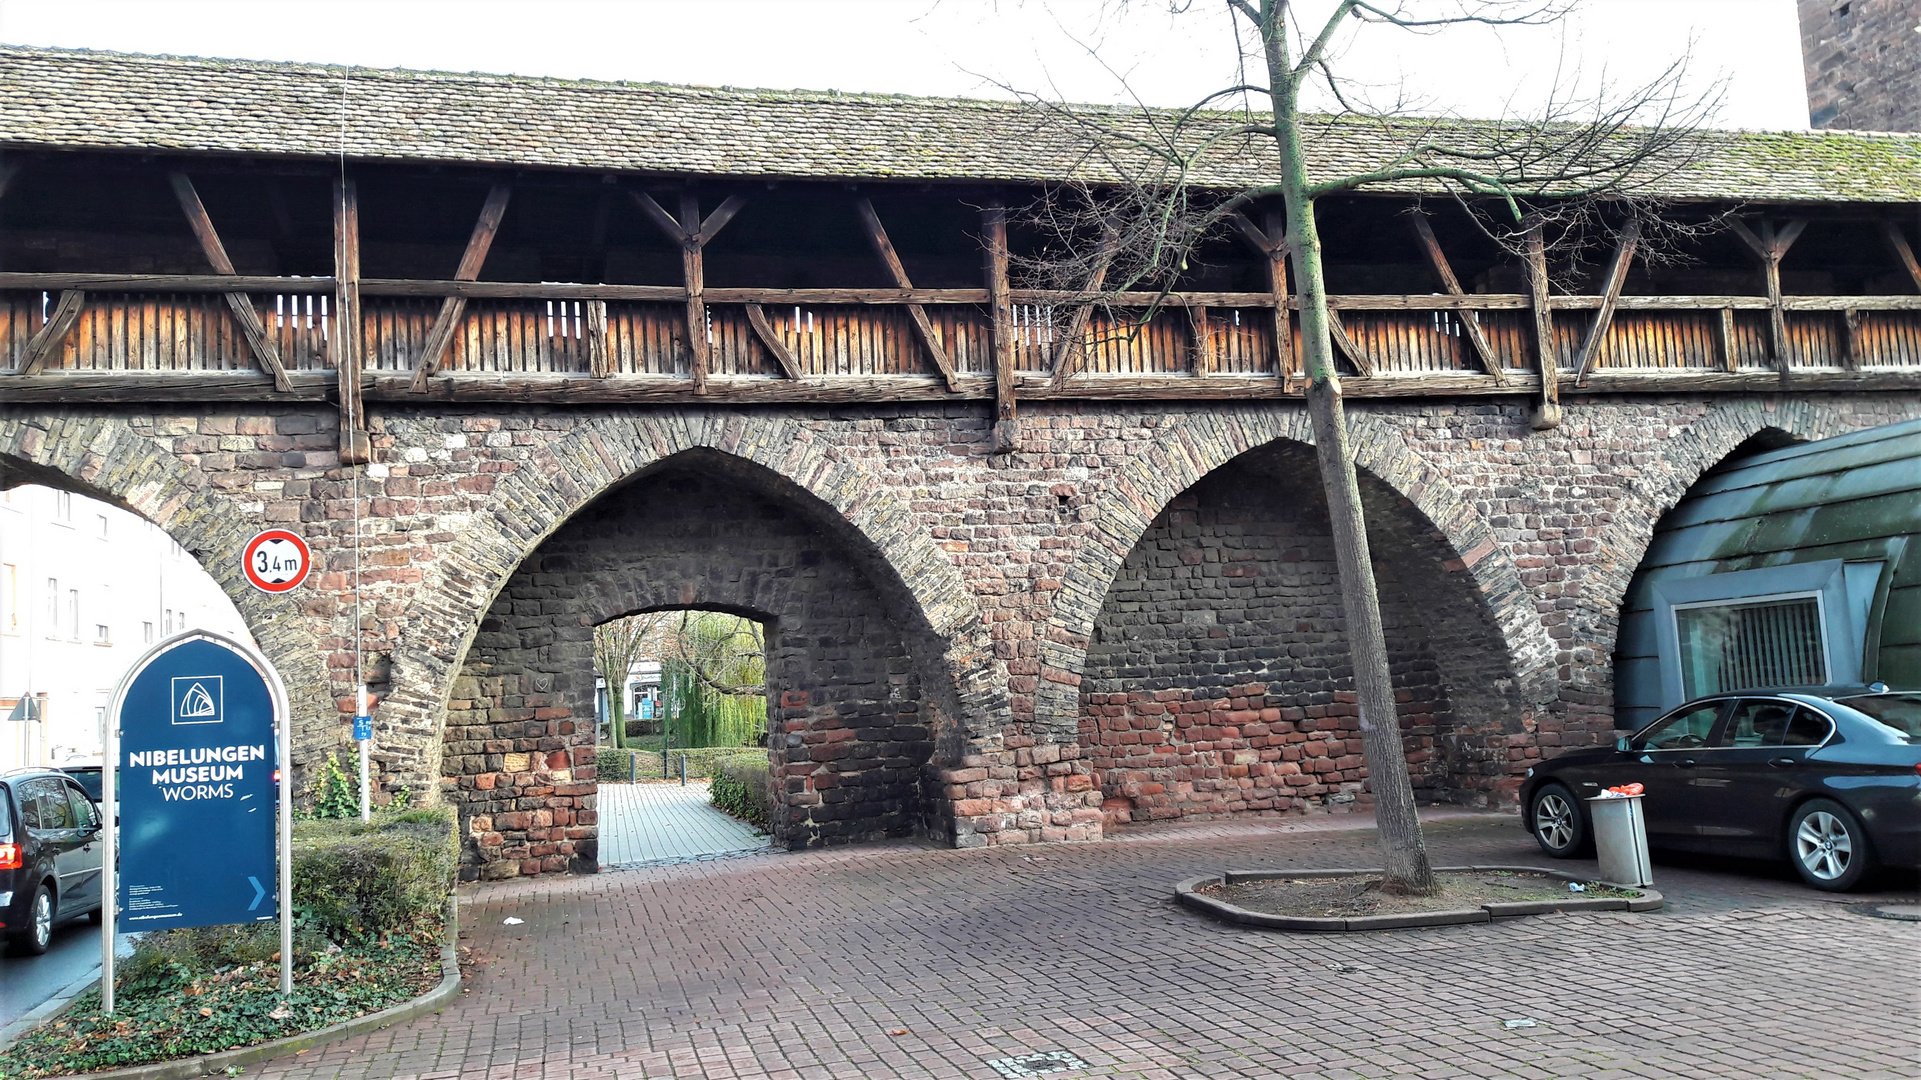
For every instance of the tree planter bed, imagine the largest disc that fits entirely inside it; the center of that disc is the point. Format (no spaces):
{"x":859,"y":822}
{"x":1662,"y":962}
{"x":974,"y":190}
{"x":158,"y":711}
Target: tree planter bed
{"x":1191,"y":894}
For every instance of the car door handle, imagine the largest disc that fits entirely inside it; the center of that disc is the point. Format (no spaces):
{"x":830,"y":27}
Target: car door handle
{"x":1782,"y":762}
{"x":1686,"y":763}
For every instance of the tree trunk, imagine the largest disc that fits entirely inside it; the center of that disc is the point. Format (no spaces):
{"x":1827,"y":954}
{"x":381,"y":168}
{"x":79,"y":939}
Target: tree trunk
{"x":1402,"y":846}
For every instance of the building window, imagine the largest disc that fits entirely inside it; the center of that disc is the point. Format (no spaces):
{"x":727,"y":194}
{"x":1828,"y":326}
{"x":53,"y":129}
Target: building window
{"x":103,"y":525}
{"x":146,"y":633}
{"x":53,"y":607}
{"x":9,"y":599}
{"x":63,"y":507}
{"x":101,"y":635}
{"x":1771,"y":641}
{"x":73,"y":613}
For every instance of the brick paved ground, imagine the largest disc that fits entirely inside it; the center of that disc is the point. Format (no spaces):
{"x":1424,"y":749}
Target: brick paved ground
{"x":647,"y":823}
{"x":806,"y":965}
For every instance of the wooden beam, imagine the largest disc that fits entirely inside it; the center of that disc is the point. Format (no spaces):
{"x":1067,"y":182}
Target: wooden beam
{"x":718,"y":220}
{"x":1604,"y":317}
{"x":1850,"y":339}
{"x":1286,"y":362}
{"x":757,"y":318}
{"x":595,"y":314}
{"x":1363,"y":366}
{"x":1724,"y":340}
{"x":1470,"y":323}
{"x":48,"y":339}
{"x":454,"y":307}
{"x":693,"y":272}
{"x":923,"y":326}
{"x":1073,"y":343}
{"x":1771,"y":246}
{"x":264,"y":351}
{"x":1898,"y":241}
{"x":1547,"y":413}
{"x":8,"y":171}
{"x":345,"y":342}
{"x":1204,"y":361}
{"x":1006,"y":420}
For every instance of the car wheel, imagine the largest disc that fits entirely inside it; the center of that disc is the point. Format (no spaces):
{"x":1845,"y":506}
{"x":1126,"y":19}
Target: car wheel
{"x":1828,"y":847}
{"x":1558,"y":825}
{"x":33,"y":939}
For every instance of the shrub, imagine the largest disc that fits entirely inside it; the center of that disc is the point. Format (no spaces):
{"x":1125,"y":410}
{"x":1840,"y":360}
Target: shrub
{"x":743,"y":788}
{"x":336,"y":795}
{"x":611,"y":766}
{"x":390,"y":875}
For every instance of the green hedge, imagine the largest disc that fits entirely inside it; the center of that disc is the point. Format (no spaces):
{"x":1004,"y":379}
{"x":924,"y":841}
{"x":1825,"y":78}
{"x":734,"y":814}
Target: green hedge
{"x":610,"y":766}
{"x":391,"y":875}
{"x":744,"y":789}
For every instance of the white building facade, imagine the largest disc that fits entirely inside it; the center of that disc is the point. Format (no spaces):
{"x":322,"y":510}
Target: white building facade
{"x":85,"y":589}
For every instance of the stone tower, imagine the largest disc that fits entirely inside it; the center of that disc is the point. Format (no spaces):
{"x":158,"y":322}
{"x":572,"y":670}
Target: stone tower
{"x":1863,"y":63}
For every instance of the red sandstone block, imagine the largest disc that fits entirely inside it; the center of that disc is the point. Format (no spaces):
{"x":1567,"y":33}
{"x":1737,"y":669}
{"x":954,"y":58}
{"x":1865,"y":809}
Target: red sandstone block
{"x":484,"y":781}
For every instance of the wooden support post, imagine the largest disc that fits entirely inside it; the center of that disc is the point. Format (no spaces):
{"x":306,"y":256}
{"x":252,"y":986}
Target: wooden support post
{"x":923,"y":327}
{"x":1203,"y":339}
{"x":1850,"y":339}
{"x":1547,"y":413}
{"x":345,"y":340}
{"x":1363,"y":364}
{"x":1470,"y":321}
{"x":1006,"y":421}
{"x":48,"y":339}
{"x":1073,"y":343}
{"x":1898,"y":241}
{"x":453,"y":307}
{"x":1272,"y":245}
{"x":1604,"y":316}
{"x":595,"y":312}
{"x":693,"y":235}
{"x":693,"y":269}
{"x":1724,"y":339}
{"x":264,"y":351}
{"x":8,"y":170}
{"x":1771,"y":247}
{"x":757,"y":318}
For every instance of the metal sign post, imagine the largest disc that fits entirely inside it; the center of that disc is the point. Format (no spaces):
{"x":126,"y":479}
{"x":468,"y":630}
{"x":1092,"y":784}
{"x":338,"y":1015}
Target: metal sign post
{"x":364,"y":735}
{"x":185,"y":775}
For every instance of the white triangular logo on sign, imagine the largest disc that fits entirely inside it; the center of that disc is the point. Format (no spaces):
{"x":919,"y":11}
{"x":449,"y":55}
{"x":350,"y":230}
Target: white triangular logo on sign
{"x":197,"y":702}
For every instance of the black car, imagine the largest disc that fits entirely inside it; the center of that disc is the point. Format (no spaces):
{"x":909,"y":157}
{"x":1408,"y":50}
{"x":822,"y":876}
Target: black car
{"x":1827,"y":777}
{"x":50,"y":856}
{"x":88,"y":777}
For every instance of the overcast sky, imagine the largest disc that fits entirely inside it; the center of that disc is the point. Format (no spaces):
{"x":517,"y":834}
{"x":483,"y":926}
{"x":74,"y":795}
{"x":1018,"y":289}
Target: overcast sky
{"x":953,"y":47}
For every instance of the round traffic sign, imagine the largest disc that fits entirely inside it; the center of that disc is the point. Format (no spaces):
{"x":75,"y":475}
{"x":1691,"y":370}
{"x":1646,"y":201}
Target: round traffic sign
{"x":276,"y":561}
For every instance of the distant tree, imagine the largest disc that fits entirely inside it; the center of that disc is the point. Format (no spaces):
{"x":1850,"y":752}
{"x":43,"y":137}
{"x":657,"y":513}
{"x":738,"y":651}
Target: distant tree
{"x":618,"y":645}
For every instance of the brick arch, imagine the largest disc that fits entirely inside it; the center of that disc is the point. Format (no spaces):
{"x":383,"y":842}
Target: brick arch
{"x":1721,"y":430}
{"x":1196,"y":445}
{"x":101,"y":456}
{"x":561,"y":478}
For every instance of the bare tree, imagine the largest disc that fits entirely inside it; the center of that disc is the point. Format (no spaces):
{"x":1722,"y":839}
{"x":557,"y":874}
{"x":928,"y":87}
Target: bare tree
{"x":618,"y":645}
{"x":1156,"y":192}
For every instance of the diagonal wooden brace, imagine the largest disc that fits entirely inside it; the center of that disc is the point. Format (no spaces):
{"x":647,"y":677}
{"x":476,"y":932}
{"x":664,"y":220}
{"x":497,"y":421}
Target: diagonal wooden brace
{"x":264,"y":351}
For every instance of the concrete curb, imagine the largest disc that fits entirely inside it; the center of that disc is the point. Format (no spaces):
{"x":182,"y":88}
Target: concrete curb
{"x":187,"y":1068}
{"x":1184,"y":893}
{"x":47,"y":1009}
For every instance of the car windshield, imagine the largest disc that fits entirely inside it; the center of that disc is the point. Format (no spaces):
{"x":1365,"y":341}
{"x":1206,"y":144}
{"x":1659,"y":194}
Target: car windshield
{"x":88,"y":779}
{"x":1900,"y":713}
{"x":6,"y":814}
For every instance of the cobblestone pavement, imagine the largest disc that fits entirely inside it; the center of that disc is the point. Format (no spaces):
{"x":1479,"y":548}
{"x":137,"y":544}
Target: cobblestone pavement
{"x":909,"y":961}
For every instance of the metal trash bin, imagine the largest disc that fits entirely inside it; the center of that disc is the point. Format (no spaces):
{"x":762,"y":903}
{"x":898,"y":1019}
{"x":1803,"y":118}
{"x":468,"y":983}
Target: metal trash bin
{"x":1621,"y":840}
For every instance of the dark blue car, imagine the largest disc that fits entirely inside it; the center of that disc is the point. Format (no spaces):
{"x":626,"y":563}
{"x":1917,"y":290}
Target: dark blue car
{"x":1827,"y":777}
{"x":50,"y":856}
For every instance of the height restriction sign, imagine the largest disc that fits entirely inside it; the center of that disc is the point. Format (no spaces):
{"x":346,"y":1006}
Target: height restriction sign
{"x":276,"y":561}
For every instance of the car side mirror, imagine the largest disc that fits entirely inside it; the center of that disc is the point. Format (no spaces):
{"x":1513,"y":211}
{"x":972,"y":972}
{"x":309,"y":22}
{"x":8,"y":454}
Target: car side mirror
{"x":1621,"y":745}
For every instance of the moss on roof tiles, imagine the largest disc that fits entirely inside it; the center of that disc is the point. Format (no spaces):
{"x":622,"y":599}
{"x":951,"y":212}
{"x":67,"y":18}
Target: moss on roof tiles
{"x":76,"y":99}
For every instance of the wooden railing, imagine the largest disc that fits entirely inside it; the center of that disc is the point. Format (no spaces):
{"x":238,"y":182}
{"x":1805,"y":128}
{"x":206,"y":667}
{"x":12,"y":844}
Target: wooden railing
{"x":82,"y":337}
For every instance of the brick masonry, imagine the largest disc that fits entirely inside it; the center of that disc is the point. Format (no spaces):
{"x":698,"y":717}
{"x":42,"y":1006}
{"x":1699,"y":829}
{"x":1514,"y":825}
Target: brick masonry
{"x":1862,"y":59}
{"x":1511,"y":548}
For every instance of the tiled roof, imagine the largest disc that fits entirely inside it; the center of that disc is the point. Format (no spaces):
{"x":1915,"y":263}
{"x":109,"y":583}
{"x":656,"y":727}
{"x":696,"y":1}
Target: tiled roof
{"x":97,"y":100}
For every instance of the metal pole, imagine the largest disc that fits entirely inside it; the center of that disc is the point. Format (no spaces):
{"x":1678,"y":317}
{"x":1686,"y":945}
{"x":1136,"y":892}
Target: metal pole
{"x":633,"y":767}
{"x":286,"y":838}
{"x":110,"y":856}
{"x":683,"y":769}
{"x":363,"y":734}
